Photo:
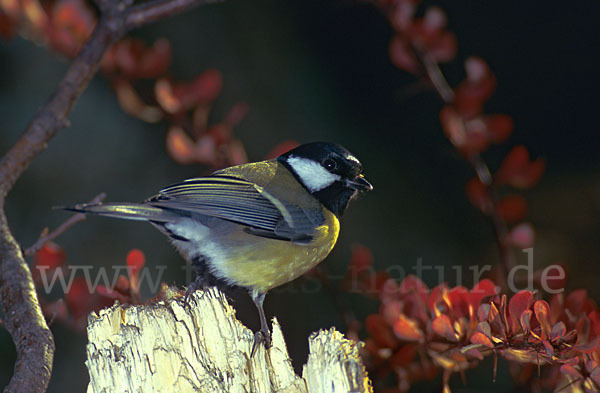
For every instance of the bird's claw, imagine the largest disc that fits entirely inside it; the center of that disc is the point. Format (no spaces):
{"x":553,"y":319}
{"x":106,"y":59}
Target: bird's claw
{"x":198,"y":283}
{"x":261,"y":337}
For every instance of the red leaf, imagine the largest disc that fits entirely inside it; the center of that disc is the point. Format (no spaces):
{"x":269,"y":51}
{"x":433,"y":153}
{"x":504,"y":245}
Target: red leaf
{"x":482,"y":289}
{"x":516,"y":306}
{"x":51,"y":255}
{"x":594,"y":318}
{"x":154,"y":61}
{"x":458,"y":301}
{"x":407,"y":329}
{"x":479,"y":195}
{"x":72,"y":24}
{"x":473,"y":92}
{"x":516,"y":169}
{"x":512,"y":208}
{"x":434,"y":297}
{"x":134,"y":60}
{"x":542,"y":314}
{"x":79,"y":298}
{"x":404,"y":355}
{"x":203,"y":90}
{"x":135,"y":261}
{"x":442,"y":326}
{"x":176,"y":98}
{"x":380,"y":331}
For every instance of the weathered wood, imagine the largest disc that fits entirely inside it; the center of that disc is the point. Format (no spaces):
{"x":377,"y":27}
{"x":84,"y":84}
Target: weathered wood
{"x":202,"y":347}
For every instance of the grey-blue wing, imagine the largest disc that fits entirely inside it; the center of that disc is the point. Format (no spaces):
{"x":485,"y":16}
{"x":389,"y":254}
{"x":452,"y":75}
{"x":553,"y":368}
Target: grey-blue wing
{"x":238,"y":201}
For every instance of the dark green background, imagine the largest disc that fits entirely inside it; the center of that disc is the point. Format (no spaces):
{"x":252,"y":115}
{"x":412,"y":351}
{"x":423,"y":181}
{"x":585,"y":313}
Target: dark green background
{"x":319,"y":70}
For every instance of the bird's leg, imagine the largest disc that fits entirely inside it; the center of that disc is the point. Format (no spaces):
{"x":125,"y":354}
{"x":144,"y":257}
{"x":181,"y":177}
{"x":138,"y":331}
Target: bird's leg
{"x":202,"y":278}
{"x":264,"y":334}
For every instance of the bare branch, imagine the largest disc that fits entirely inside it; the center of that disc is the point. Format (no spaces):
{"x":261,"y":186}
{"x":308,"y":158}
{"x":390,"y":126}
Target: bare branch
{"x":74,"y":219}
{"x":154,"y":10}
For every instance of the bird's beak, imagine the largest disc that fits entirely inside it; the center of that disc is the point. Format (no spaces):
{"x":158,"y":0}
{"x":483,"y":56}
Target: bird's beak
{"x":359,"y":183}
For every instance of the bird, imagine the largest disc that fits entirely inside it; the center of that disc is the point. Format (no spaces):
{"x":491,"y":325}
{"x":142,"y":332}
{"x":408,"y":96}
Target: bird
{"x":257,"y":225}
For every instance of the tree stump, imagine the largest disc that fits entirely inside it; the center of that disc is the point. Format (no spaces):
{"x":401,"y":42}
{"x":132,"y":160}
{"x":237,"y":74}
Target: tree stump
{"x":202,"y":347}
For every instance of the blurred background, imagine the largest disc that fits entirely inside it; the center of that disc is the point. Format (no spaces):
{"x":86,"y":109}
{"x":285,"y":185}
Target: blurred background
{"x":319,"y":70}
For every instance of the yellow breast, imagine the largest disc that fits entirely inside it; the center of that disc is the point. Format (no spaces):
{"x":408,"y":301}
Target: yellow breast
{"x":264,"y":263}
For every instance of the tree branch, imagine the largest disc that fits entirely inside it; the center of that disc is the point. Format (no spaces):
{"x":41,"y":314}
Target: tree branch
{"x":446,"y":93}
{"x":23,"y":315}
{"x":47,"y":237}
{"x":154,"y":10}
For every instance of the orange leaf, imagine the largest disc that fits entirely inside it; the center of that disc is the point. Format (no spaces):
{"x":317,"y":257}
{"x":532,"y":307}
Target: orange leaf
{"x":180,"y":146}
{"x":163,"y":91}
{"x":442,"y":326}
{"x":407,"y":329}
{"x":480,"y":338}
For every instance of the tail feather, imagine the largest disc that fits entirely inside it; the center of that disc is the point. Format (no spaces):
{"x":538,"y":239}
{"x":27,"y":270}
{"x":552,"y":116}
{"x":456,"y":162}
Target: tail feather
{"x":128,"y":211}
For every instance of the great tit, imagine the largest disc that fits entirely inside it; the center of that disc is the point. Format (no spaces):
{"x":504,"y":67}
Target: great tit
{"x":257,"y":225}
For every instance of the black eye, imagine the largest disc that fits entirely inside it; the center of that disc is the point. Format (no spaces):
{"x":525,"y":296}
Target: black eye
{"x":330,"y":164}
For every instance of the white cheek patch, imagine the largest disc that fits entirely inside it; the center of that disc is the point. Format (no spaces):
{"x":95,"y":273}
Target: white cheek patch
{"x":311,"y":173}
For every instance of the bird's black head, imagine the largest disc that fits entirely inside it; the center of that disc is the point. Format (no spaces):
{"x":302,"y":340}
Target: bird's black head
{"x":328,"y":171}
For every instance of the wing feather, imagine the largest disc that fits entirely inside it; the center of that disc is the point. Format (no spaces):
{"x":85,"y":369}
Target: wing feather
{"x":228,"y":198}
